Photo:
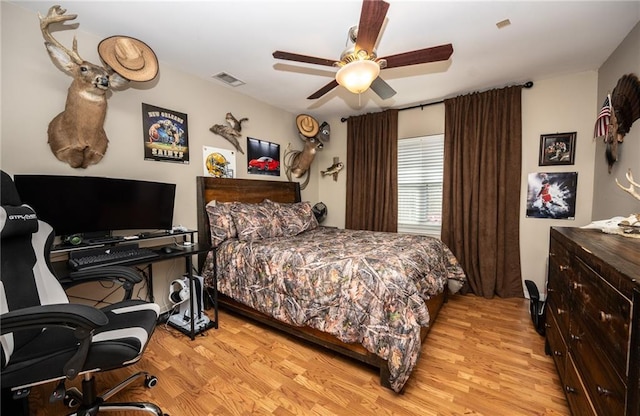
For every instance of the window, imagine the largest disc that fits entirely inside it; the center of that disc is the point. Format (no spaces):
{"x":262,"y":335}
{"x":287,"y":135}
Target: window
{"x":420,"y":171}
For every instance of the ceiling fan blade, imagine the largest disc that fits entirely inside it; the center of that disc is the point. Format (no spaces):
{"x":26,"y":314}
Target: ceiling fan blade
{"x":322,"y":91}
{"x":371,"y":20}
{"x":384,"y":90}
{"x":303,"y":58}
{"x":420,"y":56}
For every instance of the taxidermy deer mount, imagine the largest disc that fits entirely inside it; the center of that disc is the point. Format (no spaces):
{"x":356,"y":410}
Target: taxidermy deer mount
{"x":625,"y":103}
{"x":298,"y":162}
{"x":77,"y":135}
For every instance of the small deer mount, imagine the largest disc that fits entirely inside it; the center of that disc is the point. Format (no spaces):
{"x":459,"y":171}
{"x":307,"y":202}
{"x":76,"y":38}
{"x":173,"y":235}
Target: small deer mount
{"x":298,"y":162}
{"x":76,"y":135}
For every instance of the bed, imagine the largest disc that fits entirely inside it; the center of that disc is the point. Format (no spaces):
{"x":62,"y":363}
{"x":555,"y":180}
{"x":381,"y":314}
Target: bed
{"x":368,"y":295}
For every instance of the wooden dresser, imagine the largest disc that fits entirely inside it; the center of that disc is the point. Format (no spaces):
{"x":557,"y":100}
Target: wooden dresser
{"x":593,"y":320}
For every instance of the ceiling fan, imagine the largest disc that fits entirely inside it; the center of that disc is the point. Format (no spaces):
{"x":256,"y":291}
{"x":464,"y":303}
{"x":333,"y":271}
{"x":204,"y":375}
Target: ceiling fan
{"x":359,"y":65}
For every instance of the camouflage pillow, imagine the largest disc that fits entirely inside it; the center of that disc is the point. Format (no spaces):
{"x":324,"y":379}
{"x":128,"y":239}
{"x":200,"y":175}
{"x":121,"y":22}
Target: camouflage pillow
{"x":256,"y":221}
{"x":221,"y":222}
{"x":295,"y":218}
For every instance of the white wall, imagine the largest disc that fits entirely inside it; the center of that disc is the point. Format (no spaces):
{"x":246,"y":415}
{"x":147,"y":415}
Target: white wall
{"x":609,"y":201}
{"x":563,"y":104}
{"x":34,"y":91}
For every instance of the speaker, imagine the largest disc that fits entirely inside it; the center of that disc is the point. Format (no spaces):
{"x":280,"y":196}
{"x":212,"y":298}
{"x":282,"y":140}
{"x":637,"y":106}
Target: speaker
{"x":73,"y":239}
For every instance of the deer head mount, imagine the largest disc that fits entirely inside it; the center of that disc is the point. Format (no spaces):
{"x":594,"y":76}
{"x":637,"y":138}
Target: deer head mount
{"x":298,"y":162}
{"x":76,"y":135}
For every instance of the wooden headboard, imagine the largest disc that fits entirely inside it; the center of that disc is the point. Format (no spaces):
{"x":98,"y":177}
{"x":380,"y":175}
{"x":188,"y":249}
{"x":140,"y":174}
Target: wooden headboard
{"x":241,"y":190}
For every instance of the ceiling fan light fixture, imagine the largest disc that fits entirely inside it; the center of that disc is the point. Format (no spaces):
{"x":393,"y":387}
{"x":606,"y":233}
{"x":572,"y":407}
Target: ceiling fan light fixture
{"x":358,"y":75}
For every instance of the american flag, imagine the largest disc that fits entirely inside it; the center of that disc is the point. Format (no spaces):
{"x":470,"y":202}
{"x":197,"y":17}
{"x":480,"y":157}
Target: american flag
{"x":602,"y":122}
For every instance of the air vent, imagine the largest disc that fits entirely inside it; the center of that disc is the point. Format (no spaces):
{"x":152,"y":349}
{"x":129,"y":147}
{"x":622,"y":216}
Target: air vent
{"x":503,"y":23}
{"x":228,"y":79}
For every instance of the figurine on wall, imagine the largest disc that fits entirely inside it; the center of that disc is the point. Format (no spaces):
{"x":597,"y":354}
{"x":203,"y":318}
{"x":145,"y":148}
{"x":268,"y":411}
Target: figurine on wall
{"x":230,"y":132}
{"x":625,"y":110}
{"x":76,"y":135}
{"x":334,"y":169}
{"x":297,"y":162}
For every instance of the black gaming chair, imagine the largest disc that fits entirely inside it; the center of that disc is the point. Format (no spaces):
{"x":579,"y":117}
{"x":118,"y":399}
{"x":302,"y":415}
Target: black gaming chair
{"x":44,"y":338}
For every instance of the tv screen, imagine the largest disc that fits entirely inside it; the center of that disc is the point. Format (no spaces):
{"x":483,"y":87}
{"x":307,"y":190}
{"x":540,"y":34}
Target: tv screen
{"x":85,"y":204}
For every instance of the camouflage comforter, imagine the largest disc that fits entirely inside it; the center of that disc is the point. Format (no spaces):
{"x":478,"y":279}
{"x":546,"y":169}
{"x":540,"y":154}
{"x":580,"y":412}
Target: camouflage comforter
{"x":360,"y":286}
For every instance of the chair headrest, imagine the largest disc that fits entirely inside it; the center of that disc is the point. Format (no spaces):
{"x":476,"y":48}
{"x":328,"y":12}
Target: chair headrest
{"x":15,"y":218}
{"x":8,"y":192}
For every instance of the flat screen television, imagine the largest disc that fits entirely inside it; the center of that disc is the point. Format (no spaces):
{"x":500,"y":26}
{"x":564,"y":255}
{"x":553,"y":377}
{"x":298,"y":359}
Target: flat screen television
{"x":95,"y":205}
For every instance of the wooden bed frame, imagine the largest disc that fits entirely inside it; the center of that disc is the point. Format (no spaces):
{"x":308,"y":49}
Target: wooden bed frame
{"x":254,"y":191}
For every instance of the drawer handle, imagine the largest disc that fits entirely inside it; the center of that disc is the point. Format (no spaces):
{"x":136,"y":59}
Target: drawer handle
{"x":575,"y":285}
{"x":547,"y":325}
{"x":560,"y":311}
{"x":604,"y":317}
{"x":564,"y":268}
{"x":604,"y":392}
{"x":569,"y":389}
{"x":575,"y":337}
{"x":557,"y":353}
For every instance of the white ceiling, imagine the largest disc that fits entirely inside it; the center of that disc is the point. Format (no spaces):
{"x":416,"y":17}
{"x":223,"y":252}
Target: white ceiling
{"x":545,"y":39}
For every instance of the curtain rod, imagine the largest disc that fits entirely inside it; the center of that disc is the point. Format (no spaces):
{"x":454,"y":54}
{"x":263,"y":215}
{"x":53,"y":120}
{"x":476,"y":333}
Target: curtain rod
{"x":527,"y":84}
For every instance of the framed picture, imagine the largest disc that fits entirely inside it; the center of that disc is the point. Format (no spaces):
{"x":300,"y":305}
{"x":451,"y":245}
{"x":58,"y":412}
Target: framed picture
{"x":164,"y":134}
{"x":264,"y":157}
{"x":552,"y":195}
{"x":219,"y":163}
{"x":557,"y":149}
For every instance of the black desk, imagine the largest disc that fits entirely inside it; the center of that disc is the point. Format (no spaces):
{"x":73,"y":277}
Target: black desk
{"x":186,"y":249}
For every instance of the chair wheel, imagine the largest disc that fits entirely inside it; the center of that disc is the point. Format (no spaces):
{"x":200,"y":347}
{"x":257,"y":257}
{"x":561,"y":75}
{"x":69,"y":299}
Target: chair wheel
{"x":72,"y":398}
{"x":150,"y":381}
{"x":70,"y":402}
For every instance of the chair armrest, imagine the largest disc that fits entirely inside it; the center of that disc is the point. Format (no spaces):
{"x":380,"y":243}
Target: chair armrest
{"x":70,"y":315}
{"x":82,"y":319}
{"x":122,"y":274}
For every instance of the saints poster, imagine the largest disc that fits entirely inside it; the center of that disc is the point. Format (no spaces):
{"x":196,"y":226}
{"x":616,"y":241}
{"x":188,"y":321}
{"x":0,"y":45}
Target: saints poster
{"x":165,"y":135}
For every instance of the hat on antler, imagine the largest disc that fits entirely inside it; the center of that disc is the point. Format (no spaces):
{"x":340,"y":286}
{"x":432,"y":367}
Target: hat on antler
{"x":129,"y":57}
{"x":307,"y":125}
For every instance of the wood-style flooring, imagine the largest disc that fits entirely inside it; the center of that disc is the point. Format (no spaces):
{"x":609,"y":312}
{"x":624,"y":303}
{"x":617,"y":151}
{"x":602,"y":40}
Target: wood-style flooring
{"x":482,"y":357}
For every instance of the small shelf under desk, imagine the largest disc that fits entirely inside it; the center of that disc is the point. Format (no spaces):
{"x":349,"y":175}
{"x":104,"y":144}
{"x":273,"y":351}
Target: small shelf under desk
{"x":183,"y":246}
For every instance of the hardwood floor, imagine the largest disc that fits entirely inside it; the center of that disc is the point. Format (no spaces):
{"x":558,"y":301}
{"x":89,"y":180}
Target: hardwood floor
{"x":482,"y":357}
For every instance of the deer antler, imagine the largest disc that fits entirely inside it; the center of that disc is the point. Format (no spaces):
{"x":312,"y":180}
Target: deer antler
{"x":632,"y":184}
{"x":56,"y":15}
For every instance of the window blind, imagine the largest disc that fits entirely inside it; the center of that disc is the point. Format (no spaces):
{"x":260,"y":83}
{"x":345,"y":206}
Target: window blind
{"x":420,"y":172}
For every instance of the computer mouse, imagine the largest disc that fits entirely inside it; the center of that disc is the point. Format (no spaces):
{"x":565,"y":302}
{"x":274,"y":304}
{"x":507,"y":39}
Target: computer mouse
{"x":167,"y":250}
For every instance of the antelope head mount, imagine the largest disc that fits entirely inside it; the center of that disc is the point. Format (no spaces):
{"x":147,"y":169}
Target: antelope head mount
{"x":76,"y":135}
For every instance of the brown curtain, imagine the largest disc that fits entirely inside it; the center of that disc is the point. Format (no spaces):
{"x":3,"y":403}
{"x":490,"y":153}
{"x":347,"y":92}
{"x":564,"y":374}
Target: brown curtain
{"x":372,"y":172}
{"x":481,"y":196}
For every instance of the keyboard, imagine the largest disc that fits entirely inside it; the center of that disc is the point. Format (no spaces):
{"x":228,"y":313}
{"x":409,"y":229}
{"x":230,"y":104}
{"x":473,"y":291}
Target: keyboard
{"x":109,"y":256}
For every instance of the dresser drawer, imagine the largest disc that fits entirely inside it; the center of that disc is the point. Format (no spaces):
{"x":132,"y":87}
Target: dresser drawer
{"x":557,"y":307}
{"x":603,"y":384}
{"x":575,"y":392}
{"x":557,"y":345}
{"x":604,"y":313}
{"x":559,"y":253}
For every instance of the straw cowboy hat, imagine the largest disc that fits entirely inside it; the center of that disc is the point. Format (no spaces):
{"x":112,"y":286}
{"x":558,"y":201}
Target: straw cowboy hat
{"x":307,"y":125}
{"x":130,"y":58}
